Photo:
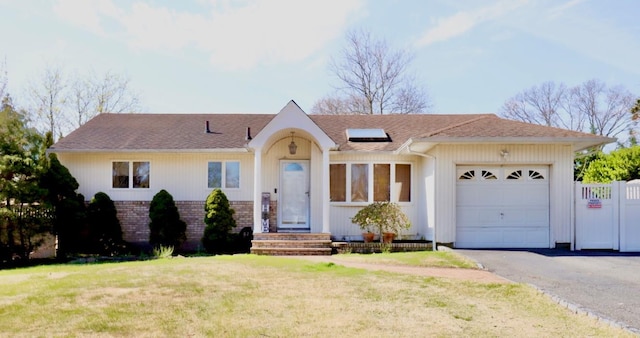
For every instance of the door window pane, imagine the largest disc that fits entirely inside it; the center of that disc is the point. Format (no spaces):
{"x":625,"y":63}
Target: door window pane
{"x":359,"y":183}
{"x":403,"y":182}
{"x":381,"y":182}
{"x":232,"y":175}
{"x":120,"y":175}
{"x":338,"y":182}
{"x":141,"y":174}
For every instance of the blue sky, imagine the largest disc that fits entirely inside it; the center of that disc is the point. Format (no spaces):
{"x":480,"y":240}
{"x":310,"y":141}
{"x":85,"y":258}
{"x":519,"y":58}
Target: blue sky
{"x":254,"y":56}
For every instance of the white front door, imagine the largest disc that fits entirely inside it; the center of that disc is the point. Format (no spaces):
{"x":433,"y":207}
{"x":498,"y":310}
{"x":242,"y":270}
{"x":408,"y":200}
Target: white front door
{"x":294,"y":196}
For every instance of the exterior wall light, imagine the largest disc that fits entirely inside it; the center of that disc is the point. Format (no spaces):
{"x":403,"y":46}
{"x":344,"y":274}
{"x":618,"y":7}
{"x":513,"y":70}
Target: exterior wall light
{"x":504,"y":153}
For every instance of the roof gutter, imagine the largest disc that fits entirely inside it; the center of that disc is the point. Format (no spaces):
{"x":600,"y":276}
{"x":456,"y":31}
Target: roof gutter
{"x":579,"y":143}
{"x":206,"y":150}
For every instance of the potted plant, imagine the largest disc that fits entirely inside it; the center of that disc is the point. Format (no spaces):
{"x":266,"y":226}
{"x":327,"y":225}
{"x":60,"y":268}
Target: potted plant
{"x":386,"y":217}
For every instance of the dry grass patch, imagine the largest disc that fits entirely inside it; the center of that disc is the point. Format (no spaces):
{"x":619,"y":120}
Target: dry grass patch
{"x":445,"y":259}
{"x":250,"y":296}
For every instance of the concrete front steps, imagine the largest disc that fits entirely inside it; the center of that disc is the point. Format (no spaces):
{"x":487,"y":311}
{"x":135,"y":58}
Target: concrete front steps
{"x":291,"y":244}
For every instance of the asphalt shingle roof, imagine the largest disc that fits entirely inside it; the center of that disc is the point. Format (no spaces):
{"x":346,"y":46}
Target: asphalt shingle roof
{"x":141,"y":132}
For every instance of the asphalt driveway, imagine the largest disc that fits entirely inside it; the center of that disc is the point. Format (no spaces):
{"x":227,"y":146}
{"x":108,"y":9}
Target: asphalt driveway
{"x":606,"y":284}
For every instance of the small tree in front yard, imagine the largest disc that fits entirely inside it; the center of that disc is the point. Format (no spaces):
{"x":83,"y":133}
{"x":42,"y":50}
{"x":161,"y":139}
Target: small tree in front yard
{"x":386,"y":217}
{"x":105,"y":232}
{"x":166,"y":227}
{"x":219,"y":222}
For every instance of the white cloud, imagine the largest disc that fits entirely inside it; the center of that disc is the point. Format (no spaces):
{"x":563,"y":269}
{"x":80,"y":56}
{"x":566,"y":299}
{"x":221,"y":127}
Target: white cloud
{"x":86,"y":14}
{"x":559,"y":10}
{"x":237,"y":35}
{"x":464,"y":21}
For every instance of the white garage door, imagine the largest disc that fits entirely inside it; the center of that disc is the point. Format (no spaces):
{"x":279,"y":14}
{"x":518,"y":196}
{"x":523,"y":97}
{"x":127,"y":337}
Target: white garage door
{"x":502,"y":207}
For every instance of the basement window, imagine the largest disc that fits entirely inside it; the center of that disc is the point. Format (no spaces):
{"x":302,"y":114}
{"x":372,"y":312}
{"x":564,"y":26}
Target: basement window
{"x":367,"y":135}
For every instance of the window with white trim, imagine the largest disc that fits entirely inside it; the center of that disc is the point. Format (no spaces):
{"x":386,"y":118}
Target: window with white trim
{"x":130,"y":174}
{"x":223,"y":174}
{"x":370,"y":182}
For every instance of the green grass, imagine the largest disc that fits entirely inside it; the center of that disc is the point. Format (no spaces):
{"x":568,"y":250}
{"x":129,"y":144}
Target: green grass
{"x":253,"y":296}
{"x":443,"y":259}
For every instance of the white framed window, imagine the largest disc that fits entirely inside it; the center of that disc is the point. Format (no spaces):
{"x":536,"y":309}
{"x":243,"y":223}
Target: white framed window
{"x":223,"y":174}
{"x":130,"y":174}
{"x":366,"y":182}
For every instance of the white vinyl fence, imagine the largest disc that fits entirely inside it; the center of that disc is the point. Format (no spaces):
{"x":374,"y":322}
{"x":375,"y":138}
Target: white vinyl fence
{"x":607,"y":216}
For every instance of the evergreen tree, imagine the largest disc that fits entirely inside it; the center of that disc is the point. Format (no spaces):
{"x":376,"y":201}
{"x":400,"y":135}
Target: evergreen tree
{"x":219,"y":222}
{"x":70,"y":213}
{"x":21,"y":163}
{"x":105,"y":233}
{"x":166,"y":227}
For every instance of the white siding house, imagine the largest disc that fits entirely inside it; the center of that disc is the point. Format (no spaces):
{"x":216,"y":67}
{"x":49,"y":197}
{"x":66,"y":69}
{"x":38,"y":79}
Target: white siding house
{"x":468,"y":180}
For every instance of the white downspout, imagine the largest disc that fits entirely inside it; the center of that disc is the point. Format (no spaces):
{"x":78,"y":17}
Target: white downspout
{"x":435,"y":162}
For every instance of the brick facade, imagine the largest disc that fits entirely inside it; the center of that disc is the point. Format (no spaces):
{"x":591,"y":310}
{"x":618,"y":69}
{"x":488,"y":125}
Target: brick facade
{"x":134,"y":220}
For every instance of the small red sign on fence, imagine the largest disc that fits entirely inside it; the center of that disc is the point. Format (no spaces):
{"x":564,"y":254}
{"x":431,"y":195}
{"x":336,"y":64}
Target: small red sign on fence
{"x":594,"y":203}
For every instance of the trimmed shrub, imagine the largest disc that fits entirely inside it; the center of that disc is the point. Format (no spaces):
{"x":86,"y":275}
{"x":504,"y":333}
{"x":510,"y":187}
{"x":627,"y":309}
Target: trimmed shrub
{"x":166,"y":227}
{"x":105,"y":233}
{"x":219,"y":223}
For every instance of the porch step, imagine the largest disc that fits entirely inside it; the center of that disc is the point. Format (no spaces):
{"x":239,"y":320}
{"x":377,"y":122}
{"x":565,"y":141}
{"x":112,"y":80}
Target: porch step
{"x":291,"y":244}
{"x":291,"y":236}
{"x":291,"y":251}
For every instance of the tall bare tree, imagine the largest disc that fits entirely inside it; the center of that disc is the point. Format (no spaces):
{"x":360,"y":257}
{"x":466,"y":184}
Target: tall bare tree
{"x":63,"y":102}
{"x":606,"y":108}
{"x":93,"y":94}
{"x":4,"y":79}
{"x":373,"y":79}
{"x":113,"y":94}
{"x":591,"y":107}
{"x":48,"y":96}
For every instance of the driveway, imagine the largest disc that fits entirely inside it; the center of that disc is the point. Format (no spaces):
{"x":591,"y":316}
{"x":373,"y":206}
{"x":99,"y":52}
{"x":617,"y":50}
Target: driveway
{"x":606,"y":284}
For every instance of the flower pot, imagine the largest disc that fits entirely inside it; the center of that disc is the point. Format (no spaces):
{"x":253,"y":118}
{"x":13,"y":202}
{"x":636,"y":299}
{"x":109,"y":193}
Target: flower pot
{"x":368,"y":237}
{"x":388,"y":237}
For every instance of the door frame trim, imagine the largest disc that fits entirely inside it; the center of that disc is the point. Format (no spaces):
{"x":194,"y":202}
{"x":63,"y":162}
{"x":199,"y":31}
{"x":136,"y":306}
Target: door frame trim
{"x":279,"y":225}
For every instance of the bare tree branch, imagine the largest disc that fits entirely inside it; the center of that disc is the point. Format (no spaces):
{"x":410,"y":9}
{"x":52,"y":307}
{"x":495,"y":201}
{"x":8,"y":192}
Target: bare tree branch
{"x":606,"y":108}
{"x":48,"y":98}
{"x":4,"y":79}
{"x":81,"y":101}
{"x":589,"y":107}
{"x":374,"y":77}
{"x":113,"y":94}
{"x":62,"y":102}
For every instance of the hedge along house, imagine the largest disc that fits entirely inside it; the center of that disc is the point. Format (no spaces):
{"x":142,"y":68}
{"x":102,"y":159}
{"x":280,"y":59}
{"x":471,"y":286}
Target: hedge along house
{"x":470,"y":180}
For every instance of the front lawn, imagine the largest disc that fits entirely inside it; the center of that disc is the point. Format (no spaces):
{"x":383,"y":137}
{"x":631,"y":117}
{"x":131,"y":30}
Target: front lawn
{"x":254,"y":296}
{"x":441,"y":259}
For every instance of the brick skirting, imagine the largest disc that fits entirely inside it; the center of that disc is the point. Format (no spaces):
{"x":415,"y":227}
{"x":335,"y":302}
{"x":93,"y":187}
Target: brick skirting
{"x":134,"y":220}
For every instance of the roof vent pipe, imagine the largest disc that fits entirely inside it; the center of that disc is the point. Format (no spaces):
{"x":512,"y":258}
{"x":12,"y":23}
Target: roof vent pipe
{"x":206,"y":127}
{"x":248,"y":137}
